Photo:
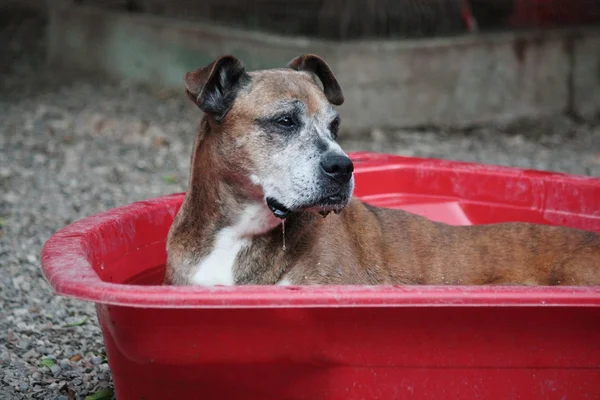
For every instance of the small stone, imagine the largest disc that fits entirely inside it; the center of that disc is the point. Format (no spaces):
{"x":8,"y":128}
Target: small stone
{"x":23,"y":386}
{"x":154,"y":131}
{"x":159,"y":141}
{"x":77,"y":382}
{"x":64,"y":364}
{"x":62,"y":397}
{"x":5,"y":172}
{"x":11,"y":197}
{"x":20,"y":311}
{"x":142,"y":165}
{"x":30,"y":354}
{"x":96,"y":360}
{"x":55,"y":369}
{"x":25,"y":344}
{"x":10,"y":337}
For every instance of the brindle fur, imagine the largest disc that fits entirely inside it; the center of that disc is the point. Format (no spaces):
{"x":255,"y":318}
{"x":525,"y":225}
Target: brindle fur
{"x":361,"y":245}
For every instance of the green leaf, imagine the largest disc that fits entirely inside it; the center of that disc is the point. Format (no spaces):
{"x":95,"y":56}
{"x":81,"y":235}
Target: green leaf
{"x":46,"y":362}
{"x":104,"y":394}
{"x":3,"y":222}
{"x":171,"y":179}
{"x":77,"y":323}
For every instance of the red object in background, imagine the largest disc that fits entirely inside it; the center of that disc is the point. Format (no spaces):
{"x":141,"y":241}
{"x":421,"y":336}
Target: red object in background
{"x":401,"y":342}
{"x":554,"y":13}
{"x":467,"y":16}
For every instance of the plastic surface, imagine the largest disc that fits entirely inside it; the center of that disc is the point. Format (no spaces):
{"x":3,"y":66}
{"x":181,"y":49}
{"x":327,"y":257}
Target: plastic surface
{"x":340,"y":342}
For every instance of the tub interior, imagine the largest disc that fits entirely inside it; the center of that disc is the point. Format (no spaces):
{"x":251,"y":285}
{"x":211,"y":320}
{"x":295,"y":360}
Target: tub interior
{"x":131,"y":248}
{"x":148,"y":277}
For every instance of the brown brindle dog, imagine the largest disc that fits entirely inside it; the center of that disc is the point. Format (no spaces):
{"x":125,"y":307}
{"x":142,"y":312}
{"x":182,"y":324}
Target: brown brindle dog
{"x":265,"y":160}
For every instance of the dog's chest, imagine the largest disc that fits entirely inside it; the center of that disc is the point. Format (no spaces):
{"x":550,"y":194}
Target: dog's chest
{"x":218,"y":267}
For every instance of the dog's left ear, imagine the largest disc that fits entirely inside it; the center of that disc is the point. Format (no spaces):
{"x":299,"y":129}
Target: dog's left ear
{"x":213,"y":88}
{"x":318,"y":66}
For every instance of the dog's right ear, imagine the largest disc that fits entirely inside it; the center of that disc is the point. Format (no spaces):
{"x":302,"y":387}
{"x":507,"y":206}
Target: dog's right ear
{"x":213,"y":88}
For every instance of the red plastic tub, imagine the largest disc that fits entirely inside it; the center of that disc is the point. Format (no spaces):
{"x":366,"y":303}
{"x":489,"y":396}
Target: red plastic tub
{"x":418,"y":342}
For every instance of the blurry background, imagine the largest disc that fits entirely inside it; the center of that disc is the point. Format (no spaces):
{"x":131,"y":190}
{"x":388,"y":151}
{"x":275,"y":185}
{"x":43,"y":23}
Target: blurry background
{"x":93,"y":116}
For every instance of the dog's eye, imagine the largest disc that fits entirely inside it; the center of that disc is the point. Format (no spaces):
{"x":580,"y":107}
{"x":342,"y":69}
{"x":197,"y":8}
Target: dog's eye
{"x":286,"y":122}
{"x":334,"y":127}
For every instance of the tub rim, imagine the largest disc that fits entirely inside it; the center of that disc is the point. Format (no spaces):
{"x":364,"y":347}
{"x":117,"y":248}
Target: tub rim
{"x":67,"y":268}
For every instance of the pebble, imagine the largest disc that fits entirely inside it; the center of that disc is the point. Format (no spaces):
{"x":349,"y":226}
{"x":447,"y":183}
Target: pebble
{"x":96,"y":360}
{"x":65,"y":365}
{"x":55,"y":369}
{"x":30,"y":355}
{"x":5,"y":172}
{"x":11,"y":197}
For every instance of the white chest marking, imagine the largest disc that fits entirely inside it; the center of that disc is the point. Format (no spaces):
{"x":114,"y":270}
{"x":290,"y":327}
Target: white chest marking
{"x":217,"y":268}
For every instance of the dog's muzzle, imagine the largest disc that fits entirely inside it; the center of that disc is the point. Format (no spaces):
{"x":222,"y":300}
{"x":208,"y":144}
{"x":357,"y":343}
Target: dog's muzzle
{"x":336,"y":189}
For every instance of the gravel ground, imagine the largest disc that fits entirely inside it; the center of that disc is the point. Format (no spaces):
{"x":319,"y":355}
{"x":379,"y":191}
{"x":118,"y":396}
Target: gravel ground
{"x":72,"y":147}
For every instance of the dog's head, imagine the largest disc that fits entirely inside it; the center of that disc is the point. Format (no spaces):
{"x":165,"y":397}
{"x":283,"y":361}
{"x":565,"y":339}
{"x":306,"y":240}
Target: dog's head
{"x":277,"y":131}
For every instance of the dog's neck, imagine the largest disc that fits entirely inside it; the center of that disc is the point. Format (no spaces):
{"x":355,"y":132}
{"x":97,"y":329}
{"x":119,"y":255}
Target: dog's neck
{"x":222,"y":216}
{"x":220,"y":195}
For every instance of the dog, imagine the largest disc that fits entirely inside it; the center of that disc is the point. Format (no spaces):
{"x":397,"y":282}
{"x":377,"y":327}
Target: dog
{"x":270,"y":202}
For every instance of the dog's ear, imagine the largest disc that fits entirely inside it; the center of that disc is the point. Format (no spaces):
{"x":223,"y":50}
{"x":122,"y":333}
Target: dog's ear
{"x":316,"y":65}
{"x":213,"y":88}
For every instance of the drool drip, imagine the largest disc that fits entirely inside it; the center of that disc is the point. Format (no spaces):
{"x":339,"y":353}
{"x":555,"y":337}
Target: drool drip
{"x":283,"y":232}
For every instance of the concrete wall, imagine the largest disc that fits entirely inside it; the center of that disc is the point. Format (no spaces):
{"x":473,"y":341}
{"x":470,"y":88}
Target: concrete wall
{"x":451,"y":81}
{"x":585,"y":75}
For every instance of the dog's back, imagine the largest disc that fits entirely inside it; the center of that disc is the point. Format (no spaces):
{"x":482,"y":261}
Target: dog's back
{"x":371,"y":245}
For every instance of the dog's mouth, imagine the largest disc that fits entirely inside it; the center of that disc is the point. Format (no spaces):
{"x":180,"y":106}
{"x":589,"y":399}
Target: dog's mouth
{"x":278,"y":209}
{"x":324,"y":206}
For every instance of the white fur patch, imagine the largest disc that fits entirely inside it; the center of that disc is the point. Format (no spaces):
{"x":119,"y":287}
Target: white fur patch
{"x":254,"y":179}
{"x":217,"y":268}
{"x":284,"y":282}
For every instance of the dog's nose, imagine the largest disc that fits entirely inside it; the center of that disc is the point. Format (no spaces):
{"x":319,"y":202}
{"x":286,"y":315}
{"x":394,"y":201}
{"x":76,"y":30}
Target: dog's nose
{"x":337,"y":167}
